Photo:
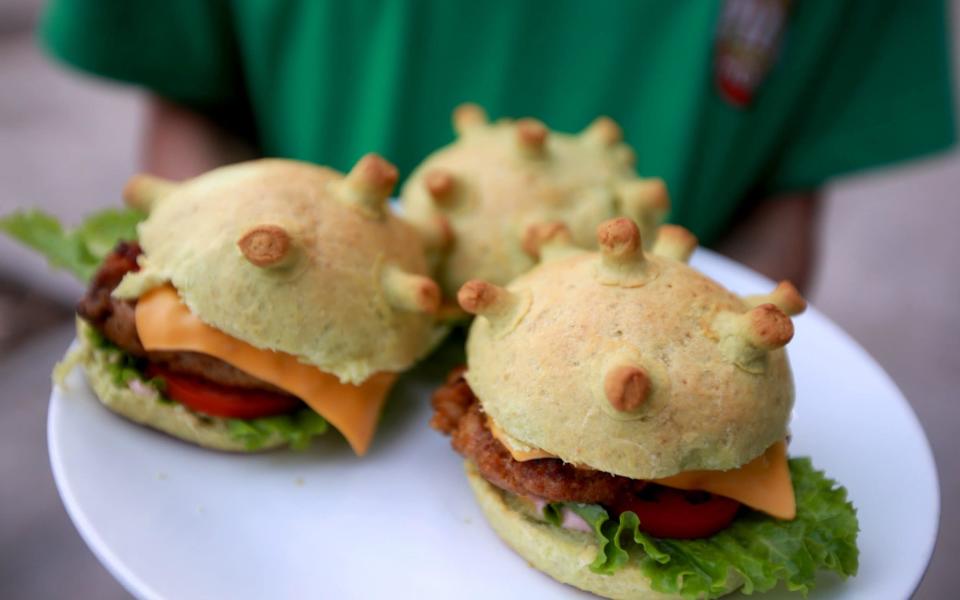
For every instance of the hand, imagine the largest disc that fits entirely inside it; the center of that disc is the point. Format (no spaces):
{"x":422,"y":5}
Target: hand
{"x":777,"y":237}
{"x":181,"y":143}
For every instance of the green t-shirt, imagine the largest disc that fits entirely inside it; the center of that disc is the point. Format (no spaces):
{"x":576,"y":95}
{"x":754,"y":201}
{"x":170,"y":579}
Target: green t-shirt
{"x":850,"y":84}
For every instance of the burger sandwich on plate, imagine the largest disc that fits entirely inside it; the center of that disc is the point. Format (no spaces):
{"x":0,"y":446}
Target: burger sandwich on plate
{"x":624,"y":421}
{"x":258,"y":304}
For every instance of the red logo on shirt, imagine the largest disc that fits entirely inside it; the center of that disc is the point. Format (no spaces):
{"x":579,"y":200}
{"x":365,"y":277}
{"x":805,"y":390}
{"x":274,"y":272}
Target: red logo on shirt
{"x":747,"y":45}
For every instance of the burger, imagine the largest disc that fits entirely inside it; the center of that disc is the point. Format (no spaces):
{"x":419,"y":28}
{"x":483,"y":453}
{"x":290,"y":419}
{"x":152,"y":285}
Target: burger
{"x":258,"y":304}
{"x":483,"y":202}
{"x":624,"y":424}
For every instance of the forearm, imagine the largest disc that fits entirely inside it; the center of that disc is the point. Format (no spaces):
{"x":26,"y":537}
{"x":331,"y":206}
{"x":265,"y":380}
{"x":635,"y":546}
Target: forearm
{"x":777,"y":237}
{"x":181,"y":143}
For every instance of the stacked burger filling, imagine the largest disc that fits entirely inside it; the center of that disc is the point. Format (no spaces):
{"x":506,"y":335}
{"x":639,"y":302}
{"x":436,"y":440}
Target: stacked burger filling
{"x":114,"y":319}
{"x":543,"y":482}
{"x":254,"y":412}
{"x":689,"y":543}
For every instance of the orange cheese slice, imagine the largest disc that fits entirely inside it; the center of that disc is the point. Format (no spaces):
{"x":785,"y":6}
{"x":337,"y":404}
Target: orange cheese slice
{"x":763,"y":483}
{"x":165,"y":323}
{"x":521,"y":455}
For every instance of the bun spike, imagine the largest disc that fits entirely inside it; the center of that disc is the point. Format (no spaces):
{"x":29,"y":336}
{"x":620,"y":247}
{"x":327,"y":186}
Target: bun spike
{"x":767,"y":327}
{"x":626,"y":156}
{"x":540,"y":237}
{"x":745,"y":339}
{"x":410,"y":292}
{"x":441,"y":185}
{"x":675,"y":242}
{"x":604,"y":132}
{"x":501,"y":307}
{"x":483,"y":298}
{"x":468,"y":117}
{"x":368,"y":185}
{"x":266,"y":246}
{"x":143,"y":191}
{"x":532,"y":137}
{"x":645,"y":194}
{"x":785,"y":296}
{"x":619,"y":241}
{"x":646,"y":201}
{"x":438,"y":233}
{"x":622,"y":262}
{"x":626,"y":387}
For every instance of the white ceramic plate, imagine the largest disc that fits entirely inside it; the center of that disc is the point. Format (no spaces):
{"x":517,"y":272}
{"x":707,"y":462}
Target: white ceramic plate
{"x":173,"y":521}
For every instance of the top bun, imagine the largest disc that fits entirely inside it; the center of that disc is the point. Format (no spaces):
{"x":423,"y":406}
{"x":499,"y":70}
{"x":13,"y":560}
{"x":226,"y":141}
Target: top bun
{"x":292,"y":257}
{"x":482,"y":201}
{"x":629,"y":362}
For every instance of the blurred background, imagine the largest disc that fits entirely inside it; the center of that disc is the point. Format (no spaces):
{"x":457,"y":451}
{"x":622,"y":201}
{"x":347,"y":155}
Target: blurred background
{"x":887,"y":272}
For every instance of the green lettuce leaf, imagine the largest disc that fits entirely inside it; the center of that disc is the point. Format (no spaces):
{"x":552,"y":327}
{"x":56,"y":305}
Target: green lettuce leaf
{"x":298,"y":429}
{"x":760,"y":549}
{"x":79,"y":250}
{"x":122,"y":367}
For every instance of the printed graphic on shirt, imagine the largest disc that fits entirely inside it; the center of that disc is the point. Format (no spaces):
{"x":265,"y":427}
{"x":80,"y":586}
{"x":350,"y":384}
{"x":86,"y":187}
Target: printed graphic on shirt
{"x":747,"y":45}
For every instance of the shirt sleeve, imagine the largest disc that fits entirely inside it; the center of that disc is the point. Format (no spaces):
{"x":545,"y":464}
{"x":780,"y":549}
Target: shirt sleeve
{"x":184,"y":50}
{"x":884,"y":95}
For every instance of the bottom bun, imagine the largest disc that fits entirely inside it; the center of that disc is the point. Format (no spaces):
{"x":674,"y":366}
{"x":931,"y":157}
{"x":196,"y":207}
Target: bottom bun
{"x":148,"y":409}
{"x":561,"y":553}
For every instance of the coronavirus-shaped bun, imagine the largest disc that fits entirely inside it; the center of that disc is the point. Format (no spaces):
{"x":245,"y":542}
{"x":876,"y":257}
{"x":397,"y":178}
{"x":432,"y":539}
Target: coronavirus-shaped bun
{"x":631,"y":362}
{"x":481,"y":200}
{"x":293,"y":257}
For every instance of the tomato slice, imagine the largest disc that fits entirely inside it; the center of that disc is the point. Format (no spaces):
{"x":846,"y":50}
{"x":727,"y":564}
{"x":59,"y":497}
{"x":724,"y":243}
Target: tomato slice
{"x":219,"y":400}
{"x":669,"y":513}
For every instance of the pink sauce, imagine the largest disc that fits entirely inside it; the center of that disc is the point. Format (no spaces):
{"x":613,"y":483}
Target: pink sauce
{"x":141,"y":389}
{"x":570,"y":519}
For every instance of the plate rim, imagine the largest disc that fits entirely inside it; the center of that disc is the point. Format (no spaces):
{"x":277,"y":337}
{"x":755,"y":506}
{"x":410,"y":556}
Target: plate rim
{"x":110,"y":561}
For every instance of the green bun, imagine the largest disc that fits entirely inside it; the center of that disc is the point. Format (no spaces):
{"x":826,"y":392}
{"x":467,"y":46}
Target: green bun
{"x":293,"y":257}
{"x":171,"y":418}
{"x":490,"y":190}
{"x":631,"y":362}
{"x":563,"y":554}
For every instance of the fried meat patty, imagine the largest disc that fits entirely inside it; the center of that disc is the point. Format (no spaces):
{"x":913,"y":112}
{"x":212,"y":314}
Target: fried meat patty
{"x":114,"y":319}
{"x":457,"y":413}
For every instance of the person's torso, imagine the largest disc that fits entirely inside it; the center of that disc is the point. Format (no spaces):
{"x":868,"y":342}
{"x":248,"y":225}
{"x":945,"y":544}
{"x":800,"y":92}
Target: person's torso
{"x":329,"y":81}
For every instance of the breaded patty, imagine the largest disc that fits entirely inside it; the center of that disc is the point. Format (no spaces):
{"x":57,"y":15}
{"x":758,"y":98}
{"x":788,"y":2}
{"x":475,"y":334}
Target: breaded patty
{"x":457,"y":413}
{"x":114,"y":319}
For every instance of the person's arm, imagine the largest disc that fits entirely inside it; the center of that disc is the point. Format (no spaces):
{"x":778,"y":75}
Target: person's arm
{"x":881,"y":94}
{"x":180,"y":142}
{"x":777,"y":237}
{"x":183,"y":51}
